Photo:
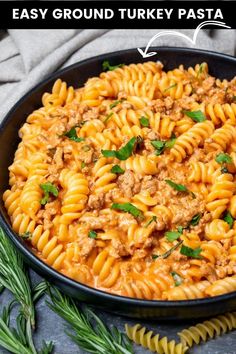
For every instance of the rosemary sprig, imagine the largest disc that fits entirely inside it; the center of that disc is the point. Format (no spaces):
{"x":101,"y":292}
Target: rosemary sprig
{"x":14,"y":277}
{"x":19,"y":340}
{"x":89,"y":332}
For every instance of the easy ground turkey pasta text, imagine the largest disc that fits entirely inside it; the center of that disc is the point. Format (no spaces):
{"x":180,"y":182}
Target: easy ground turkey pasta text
{"x":127,"y":184}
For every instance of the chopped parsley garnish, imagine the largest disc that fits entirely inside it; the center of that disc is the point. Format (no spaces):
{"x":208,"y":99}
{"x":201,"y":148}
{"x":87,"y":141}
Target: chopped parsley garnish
{"x":170,"y":143}
{"x":180,"y":229}
{"x":83,"y":164}
{"x":191,"y":252}
{"x":128,"y":208}
{"x":155,"y":256}
{"x":108,"y":117}
{"x":72,"y":135}
{"x":124,"y":153}
{"x":196,"y":116}
{"x":227,"y":217}
{"x":26,"y":235}
{"x":48,"y":188}
{"x":144,"y":121}
{"x":223,"y":158}
{"x":171,"y":250}
{"x":168,"y":253}
{"x":106,"y":66}
{"x":170,"y":87}
{"x":114,"y":104}
{"x":160,"y":145}
{"x":92,"y":234}
{"x":172,"y":235}
{"x":177,"y":278}
{"x":117,"y":169}
{"x":179,"y":187}
{"x":200,"y":70}
{"x":154,"y":218}
{"x":195,"y":220}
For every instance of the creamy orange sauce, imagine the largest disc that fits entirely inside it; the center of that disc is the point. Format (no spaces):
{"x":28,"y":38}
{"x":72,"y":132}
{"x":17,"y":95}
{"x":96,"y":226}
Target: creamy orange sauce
{"x":79,"y":233}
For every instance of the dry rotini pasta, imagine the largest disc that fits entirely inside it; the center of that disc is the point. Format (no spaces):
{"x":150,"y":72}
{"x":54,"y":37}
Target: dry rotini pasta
{"x":128,"y":184}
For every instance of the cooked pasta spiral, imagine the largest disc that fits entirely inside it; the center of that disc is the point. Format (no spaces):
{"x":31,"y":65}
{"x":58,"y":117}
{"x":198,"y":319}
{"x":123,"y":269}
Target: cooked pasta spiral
{"x":139,"y":335}
{"x":127,"y":183}
{"x":187,"y":142}
{"x":208,"y":329}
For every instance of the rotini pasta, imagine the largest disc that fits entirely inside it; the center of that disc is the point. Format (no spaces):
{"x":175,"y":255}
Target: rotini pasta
{"x":127,"y":184}
{"x":139,"y":335}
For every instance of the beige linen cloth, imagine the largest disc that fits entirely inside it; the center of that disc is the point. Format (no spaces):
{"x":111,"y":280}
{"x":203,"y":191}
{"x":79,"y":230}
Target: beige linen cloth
{"x":27,"y":56}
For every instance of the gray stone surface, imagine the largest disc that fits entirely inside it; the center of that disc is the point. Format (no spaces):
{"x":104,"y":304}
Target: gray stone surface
{"x":52,"y":327}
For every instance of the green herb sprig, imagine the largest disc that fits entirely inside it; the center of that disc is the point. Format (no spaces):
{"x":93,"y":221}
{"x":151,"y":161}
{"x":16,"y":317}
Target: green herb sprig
{"x":89,"y":332}
{"x":161,"y":145}
{"x":72,"y":135}
{"x":48,"y":188}
{"x":191,"y":252}
{"x":144,"y":121}
{"x":168,"y":253}
{"x":196,"y":116}
{"x":106,"y":66}
{"x":128,"y":208}
{"x":179,"y":187}
{"x":115,"y":103}
{"x":14,"y":277}
{"x":227,"y":217}
{"x":124,"y":153}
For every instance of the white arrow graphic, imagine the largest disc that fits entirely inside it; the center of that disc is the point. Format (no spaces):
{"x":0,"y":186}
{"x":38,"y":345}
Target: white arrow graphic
{"x":193,"y":40}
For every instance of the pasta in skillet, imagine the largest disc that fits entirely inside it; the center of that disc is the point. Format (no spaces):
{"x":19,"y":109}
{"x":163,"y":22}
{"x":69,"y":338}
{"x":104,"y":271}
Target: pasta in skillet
{"x":127,"y":184}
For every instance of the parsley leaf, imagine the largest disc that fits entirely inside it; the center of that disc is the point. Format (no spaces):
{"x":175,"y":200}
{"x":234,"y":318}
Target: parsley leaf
{"x":117,"y":169}
{"x":170,"y":143}
{"x":196,"y":116}
{"x":154,"y":218}
{"x":48,"y":188}
{"x":107,"y":66}
{"x":108,"y":117}
{"x":83,"y":164}
{"x":227,"y":217}
{"x":172,"y":235}
{"x":223,"y":158}
{"x":170,"y":87}
{"x":177,"y":278}
{"x":128,"y":208}
{"x":195,"y":220}
{"x":26,"y":235}
{"x":200,"y":70}
{"x":92,"y":234}
{"x":159,"y":146}
{"x":191,"y":252}
{"x":177,"y":187}
{"x":181,"y":229}
{"x":114,"y":104}
{"x":144,"y":121}
{"x":168,"y":253}
{"x":124,"y":153}
{"x":155,"y":256}
{"x":171,"y":250}
{"x":72,"y":135}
